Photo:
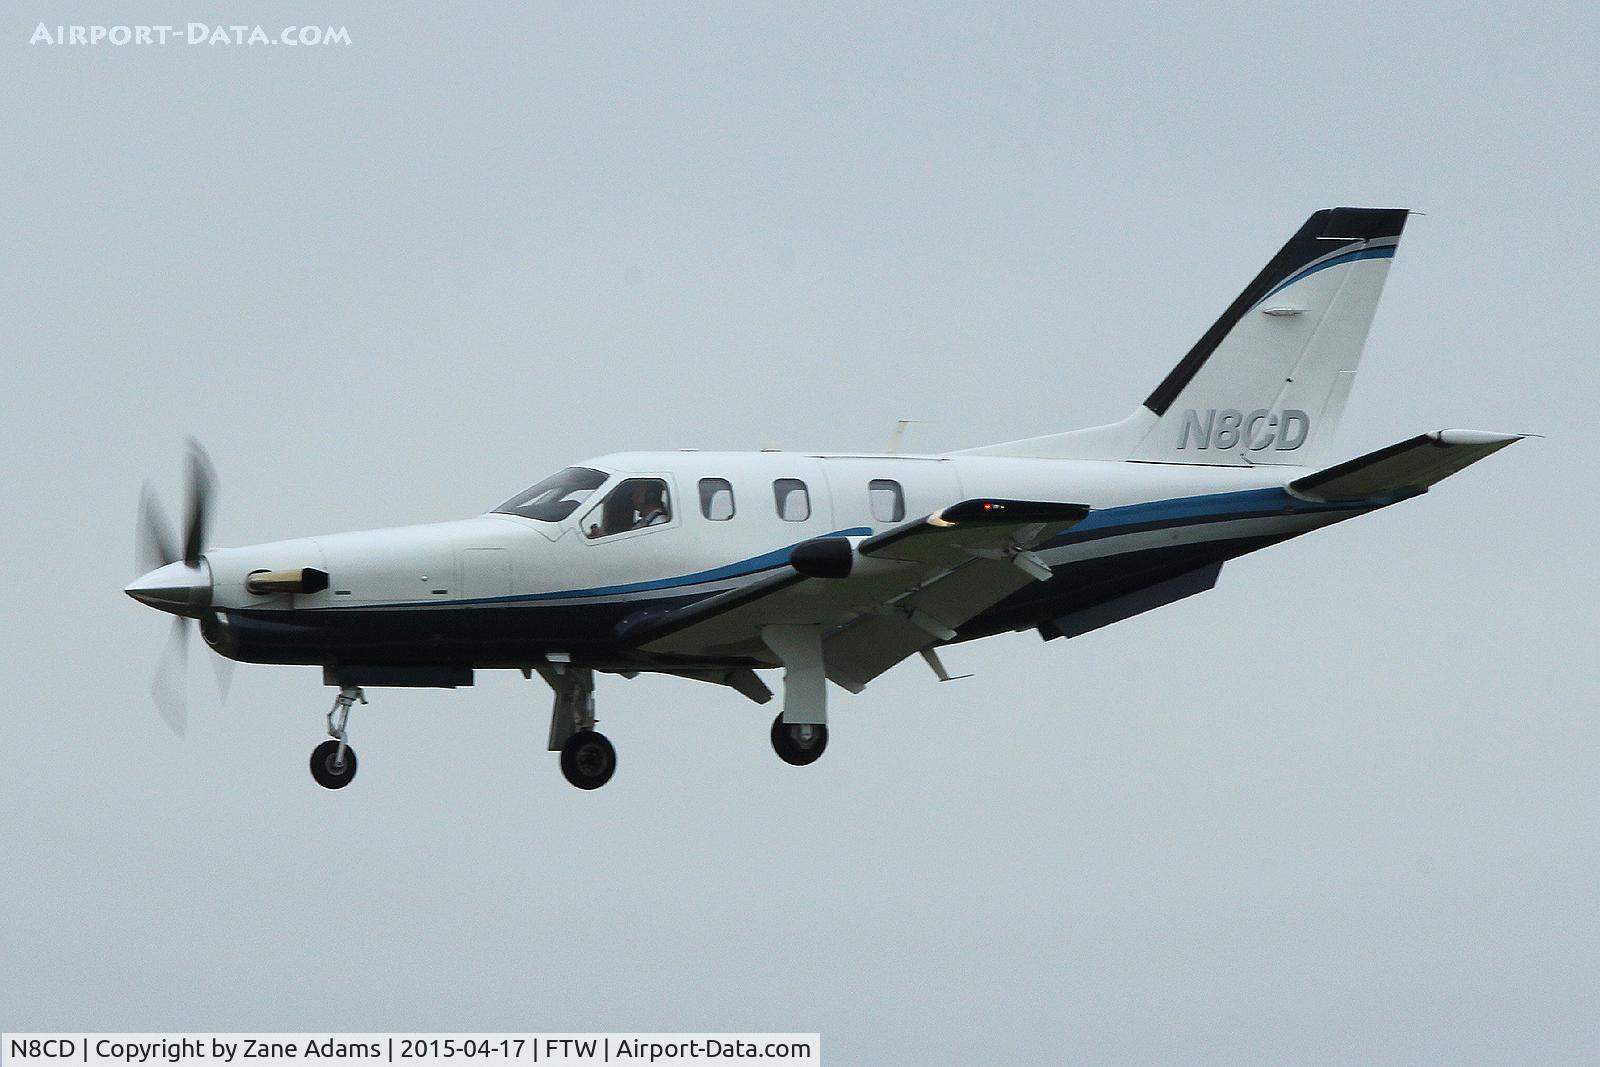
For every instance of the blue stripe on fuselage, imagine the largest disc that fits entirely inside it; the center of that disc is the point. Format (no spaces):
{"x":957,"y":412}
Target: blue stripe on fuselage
{"x":1210,"y":506}
{"x":744,"y":568}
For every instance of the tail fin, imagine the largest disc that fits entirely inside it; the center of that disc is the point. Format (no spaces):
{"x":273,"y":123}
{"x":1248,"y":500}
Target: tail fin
{"x":1268,"y":382}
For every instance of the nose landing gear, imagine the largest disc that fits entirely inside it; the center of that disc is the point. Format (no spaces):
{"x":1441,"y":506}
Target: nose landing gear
{"x":587,"y":758}
{"x":333,"y":763}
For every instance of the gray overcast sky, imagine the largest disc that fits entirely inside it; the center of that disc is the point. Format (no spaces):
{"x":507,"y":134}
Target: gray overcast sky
{"x":1342,"y":808}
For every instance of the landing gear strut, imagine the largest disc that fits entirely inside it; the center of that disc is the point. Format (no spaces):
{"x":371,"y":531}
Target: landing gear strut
{"x":587,"y":758}
{"x":798,"y":743}
{"x":333,"y":763}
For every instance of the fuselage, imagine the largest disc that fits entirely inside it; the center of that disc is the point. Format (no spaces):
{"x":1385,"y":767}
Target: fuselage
{"x":506,"y":590}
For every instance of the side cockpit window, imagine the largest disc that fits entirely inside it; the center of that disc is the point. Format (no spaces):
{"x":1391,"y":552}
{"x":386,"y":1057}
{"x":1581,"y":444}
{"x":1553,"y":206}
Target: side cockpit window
{"x":792,"y":498}
{"x":716,"y":499}
{"x":635,"y":504}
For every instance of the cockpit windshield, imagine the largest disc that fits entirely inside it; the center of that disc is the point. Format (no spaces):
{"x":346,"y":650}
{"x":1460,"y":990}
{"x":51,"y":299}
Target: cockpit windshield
{"x":556,"y":497}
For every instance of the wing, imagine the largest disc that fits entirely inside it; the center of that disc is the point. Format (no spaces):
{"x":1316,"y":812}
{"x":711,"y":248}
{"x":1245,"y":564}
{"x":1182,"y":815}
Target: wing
{"x":872,"y":602}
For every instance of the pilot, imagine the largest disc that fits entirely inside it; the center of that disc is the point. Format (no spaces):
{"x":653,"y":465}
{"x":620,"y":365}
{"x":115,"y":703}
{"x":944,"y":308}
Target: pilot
{"x":633,"y":506}
{"x":648,"y":507}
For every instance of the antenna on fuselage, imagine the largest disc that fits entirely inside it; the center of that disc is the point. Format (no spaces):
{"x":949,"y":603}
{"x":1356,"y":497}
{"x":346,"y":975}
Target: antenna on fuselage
{"x":893,"y":447}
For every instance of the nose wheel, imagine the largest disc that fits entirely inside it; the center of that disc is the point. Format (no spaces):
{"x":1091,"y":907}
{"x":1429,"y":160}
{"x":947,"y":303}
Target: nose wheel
{"x":329,"y":768}
{"x":588,"y":760}
{"x":798,"y":743}
{"x":333,"y":763}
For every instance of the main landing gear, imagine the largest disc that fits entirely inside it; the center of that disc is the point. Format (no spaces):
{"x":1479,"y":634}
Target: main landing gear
{"x":587,"y":758}
{"x":800,"y":733}
{"x":333,"y":763}
{"x":798,"y":743}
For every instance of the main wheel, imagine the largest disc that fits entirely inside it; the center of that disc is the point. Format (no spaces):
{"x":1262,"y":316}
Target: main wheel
{"x":588,"y":760}
{"x":798,"y":743}
{"x":326,"y":768}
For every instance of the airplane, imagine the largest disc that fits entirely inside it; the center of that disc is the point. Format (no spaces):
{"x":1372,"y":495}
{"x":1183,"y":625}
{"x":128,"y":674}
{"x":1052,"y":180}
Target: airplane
{"x":833,"y":566}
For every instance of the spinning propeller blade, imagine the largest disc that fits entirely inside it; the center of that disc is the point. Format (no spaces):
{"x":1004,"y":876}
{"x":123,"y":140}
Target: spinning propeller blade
{"x":170,"y":684}
{"x":156,"y":546}
{"x":224,"y":670}
{"x":202,"y":487}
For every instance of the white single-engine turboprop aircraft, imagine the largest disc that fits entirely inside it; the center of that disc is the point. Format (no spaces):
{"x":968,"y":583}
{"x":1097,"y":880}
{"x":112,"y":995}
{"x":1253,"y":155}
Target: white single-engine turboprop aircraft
{"x":832,"y":566}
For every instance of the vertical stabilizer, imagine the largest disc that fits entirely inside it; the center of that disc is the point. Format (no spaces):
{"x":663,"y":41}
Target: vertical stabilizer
{"x":1267,"y":383}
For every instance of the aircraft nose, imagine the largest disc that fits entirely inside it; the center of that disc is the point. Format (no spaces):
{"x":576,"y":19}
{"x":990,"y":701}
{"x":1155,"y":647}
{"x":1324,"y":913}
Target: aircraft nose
{"x":177,"y":588}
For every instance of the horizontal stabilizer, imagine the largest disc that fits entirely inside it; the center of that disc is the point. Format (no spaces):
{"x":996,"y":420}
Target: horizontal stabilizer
{"x":1409,"y":465}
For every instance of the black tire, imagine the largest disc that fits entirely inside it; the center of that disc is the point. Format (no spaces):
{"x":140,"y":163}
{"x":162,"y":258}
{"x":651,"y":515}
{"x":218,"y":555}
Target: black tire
{"x":328,"y":774}
{"x":588,"y":760}
{"x":797,"y":744}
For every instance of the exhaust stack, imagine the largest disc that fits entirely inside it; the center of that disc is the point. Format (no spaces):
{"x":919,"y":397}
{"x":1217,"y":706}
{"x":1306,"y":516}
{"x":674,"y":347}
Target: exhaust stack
{"x":299,"y":580}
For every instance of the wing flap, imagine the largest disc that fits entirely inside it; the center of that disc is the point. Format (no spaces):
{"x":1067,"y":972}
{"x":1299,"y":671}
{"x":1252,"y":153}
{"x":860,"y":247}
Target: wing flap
{"x":911,"y":586}
{"x":871,"y":644}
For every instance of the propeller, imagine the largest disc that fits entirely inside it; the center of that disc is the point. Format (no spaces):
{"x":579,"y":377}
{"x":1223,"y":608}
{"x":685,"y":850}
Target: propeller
{"x":176,"y":578}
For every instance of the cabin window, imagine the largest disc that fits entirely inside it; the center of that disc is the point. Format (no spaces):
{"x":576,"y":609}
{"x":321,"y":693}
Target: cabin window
{"x":634,"y":504}
{"x":888,"y":500}
{"x":793,"y":499}
{"x":716,"y":499}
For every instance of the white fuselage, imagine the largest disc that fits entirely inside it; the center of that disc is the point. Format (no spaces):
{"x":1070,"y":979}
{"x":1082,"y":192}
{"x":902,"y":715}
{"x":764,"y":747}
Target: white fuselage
{"x":496,"y":555}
